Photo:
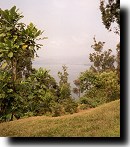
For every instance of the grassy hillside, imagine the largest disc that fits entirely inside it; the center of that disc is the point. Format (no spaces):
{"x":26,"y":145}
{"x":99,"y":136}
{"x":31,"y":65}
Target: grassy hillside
{"x":102,"y":121}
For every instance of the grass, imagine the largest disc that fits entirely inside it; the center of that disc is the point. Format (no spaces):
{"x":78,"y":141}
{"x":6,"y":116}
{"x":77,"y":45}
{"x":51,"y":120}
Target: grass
{"x":103,"y":121}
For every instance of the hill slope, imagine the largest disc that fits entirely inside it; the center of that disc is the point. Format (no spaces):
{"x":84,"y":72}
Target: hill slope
{"x":102,"y":121}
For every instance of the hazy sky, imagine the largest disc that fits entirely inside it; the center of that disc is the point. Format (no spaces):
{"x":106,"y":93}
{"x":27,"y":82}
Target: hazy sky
{"x":70,"y":26}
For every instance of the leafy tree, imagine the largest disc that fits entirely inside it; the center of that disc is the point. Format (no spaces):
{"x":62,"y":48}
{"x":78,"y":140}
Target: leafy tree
{"x":18,"y":45}
{"x":99,"y":87}
{"x":17,"y":42}
{"x":64,"y":86}
{"x":41,"y":89}
{"x":66,"y":101}
{"x":88,"y":80}
{"x":102,"y":61}
{"x":63,"y":76}
{"x":110,"y":10}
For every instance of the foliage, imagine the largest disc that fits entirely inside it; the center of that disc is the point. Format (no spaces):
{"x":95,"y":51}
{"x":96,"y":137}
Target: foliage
{"x":63,"y":76}
{"x":118,"y":60}
{"x":18,"y":42}
{"x":99,"y":87}
{"x":40,"y":91}
{"x":18,"y":45}
{"x":77,"y":89}
{"x":25,"y":91}
{"x":110,"y":85}
{"x":102,"y":61}
{"x":56,"y":109}
{"x":110,"y":10}
{"x":42,"y":96}
{"x":70,"y":106}
{"x":6,"y":93}
{"x":87,"y":80}
{"x":64,"y":86}
{"x":67,"y":102}
{"x":100,"y":84}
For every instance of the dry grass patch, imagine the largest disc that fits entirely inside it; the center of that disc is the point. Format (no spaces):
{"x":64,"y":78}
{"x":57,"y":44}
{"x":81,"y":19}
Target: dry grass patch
{"x":103,"y":121}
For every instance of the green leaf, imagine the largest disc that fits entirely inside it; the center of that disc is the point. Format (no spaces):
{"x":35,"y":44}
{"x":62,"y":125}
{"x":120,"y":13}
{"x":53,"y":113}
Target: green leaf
{"x":12,"y":10}
{"x":4,"y":65}
{"x":15,"y":38}
{"x":10,"y":55}
{"x":10,"y":90}
{"x":2,"y":96}
{"x":1,"y":55}
{"x":9,"y":28}
{"x":37,"y":33}
{"x":2,"y":34}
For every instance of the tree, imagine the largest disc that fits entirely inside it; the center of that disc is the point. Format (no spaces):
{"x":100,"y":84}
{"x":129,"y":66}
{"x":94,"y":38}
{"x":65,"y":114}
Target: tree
{"x":77,"y":89}
{"x":111,"y":14}
{"x":118,"y":60}
{"x":100,"y":83}
{"x":64,"y":86}
{"x":18,"y":45}
{"x":102,"y":61}
{"x":68,"y":104}
{"x":109,"y":83}
{"x":18,"y":42}
{"x":99,"y":87}
{"x":6,"y":93}
{"x":39,"y":90}
{"x":87,"y":80}
{"x":110,"y":10}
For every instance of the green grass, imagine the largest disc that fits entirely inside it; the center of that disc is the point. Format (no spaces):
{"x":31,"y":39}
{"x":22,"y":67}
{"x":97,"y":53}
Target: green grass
{"x":103,"y":121}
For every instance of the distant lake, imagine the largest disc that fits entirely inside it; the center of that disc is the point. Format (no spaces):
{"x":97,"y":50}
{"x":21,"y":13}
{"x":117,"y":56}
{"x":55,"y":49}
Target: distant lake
{"x":73,"y":70}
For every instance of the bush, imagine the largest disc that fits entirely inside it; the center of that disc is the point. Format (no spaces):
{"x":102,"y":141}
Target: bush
{"x":89,"y":102}
{"x":28,"y":114}
{"x":84,"y":106}
{"x":99,"y":87}
{"x":70,"y":106}
{"x":110,"y":85}
{"x":56,"y":109}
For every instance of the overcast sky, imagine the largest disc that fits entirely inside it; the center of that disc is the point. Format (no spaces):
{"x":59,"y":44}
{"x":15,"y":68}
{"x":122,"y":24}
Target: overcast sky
{"x":70,"y":26}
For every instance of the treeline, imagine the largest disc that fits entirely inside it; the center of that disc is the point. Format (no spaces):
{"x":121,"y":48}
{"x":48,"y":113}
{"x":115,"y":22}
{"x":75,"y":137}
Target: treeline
{"x":25,"y":91}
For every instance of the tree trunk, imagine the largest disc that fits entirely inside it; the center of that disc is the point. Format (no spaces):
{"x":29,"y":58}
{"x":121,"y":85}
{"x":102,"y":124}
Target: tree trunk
{"x":14,"y":70}
{"x":12,"y":117}
{"x":14,"y":77}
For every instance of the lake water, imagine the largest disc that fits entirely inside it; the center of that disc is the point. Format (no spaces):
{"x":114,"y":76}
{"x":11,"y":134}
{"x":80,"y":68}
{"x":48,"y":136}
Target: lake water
{"x":73,"y":70}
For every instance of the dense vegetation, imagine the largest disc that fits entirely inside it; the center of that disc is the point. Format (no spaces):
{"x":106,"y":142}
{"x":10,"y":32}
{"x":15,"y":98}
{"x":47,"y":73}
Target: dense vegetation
{"x":103,"y":121}
{"x":26,"y":91}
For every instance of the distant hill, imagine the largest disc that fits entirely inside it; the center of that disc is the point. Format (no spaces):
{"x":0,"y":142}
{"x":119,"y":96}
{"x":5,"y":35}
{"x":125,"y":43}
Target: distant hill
{"x":103,"y":121}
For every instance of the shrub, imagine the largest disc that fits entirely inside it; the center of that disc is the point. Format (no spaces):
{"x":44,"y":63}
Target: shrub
{"x":84,"y":106}
{"x":56,"y":109}
{"x":70,"y":106}
{"x":89,"y":102}
{"x":28,"y":114}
